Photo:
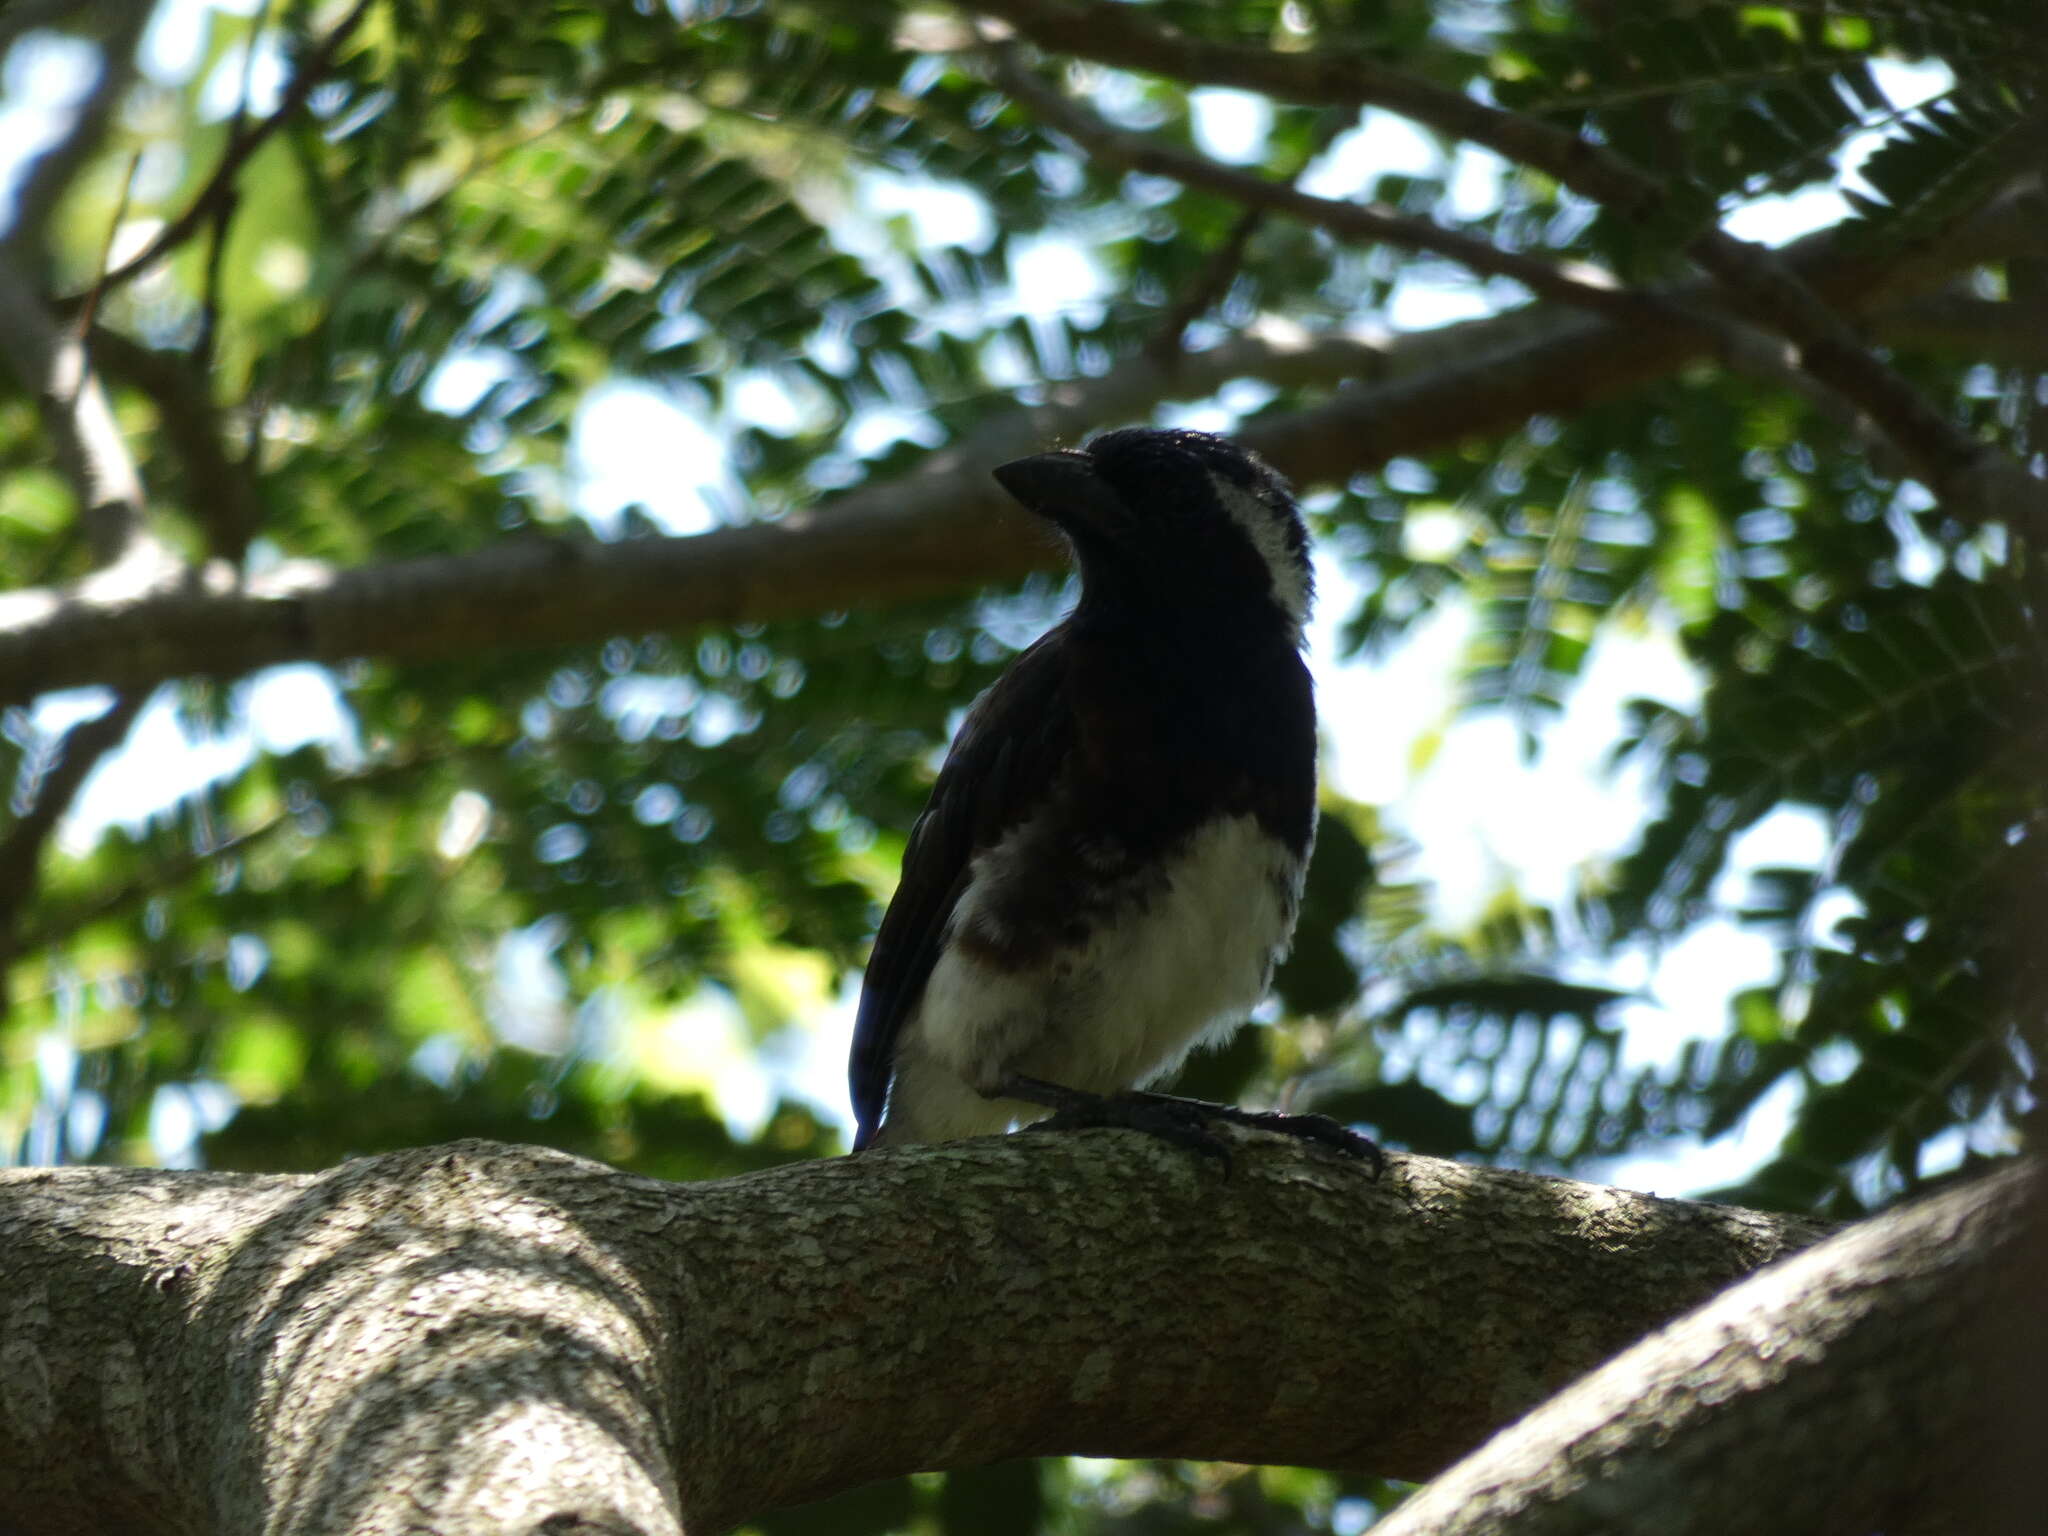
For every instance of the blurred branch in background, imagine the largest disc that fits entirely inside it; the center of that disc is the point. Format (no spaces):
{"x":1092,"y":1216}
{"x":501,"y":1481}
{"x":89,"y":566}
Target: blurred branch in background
{"x":1981,"y":482}
{"x":51,"y":365}
{"x":243,"y":143}
{"x":938,"y":530}
{"x":46,"y":178}
{"x":1584,"y":288}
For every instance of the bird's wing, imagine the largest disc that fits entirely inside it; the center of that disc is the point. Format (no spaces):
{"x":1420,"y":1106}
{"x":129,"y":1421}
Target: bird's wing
{"x":1005,"y":761}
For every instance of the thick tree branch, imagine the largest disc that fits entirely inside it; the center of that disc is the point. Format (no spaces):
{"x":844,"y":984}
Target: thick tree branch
{"x":1843,"y":1382}
{"x":409,"y":1335}
{"x":1975,"y":480}
{"x":941,"y":529}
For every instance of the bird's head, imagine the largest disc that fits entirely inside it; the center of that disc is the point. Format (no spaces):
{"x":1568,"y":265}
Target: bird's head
{"x":1173,"y":523}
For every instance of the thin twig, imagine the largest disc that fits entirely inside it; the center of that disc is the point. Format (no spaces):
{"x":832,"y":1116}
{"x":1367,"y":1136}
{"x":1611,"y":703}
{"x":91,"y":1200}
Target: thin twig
{"x":224,"y":214}
{"x":59,"y":927}
{"x":1219,"y":270}
{"x":1594,"y":290}
{"x":1764,"y":355}
{"x":240,"y":119}
{"x":209,"y":301}
{"x":52,"y":362}
{"x":1129,"y":38}
{"x":1223,"y":263}
{"x":62,"y":773}
{"x":220,"y":186}
{"x":99,"y":284}
{"x":47,"y":176}
{"x":1979,"y":482}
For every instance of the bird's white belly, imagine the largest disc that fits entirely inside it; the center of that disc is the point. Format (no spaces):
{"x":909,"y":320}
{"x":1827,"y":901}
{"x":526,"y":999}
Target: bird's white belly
{"x":1187,"y":951}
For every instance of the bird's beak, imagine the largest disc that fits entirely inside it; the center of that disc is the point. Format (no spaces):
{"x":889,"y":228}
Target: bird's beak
{"x":1063,"y":487}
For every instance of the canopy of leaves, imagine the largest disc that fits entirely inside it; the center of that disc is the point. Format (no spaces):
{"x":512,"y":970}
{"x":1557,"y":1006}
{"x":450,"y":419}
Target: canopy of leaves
{"x":575,"y":895}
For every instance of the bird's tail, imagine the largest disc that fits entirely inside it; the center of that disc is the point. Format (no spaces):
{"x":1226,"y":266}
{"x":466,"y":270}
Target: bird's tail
{"x":930,"y":1103}
{"x":898,"y":1128}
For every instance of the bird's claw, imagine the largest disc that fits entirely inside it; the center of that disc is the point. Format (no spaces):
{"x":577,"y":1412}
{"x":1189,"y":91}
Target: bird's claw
{"x":1187,"y":1122}
{"x":1320,"y":1129}
{"x":1167,"y":1121}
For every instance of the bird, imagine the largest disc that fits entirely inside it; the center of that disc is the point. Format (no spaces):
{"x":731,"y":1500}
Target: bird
{"x":1110,"y":863}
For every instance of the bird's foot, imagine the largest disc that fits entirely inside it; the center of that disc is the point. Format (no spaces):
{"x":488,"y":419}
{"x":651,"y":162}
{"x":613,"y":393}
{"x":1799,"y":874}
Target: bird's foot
{"x":1320,"y":1129}
{"x":1185,"y":1122}
{"x":1121,"y":1111}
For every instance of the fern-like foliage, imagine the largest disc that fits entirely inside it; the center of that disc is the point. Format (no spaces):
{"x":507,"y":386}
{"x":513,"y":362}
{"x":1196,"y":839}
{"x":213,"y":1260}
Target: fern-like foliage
{"x":1944,"y":156}
{"x":1879,"y":666}
{"x":1915,"y":711}
{"x":1726,"y":100}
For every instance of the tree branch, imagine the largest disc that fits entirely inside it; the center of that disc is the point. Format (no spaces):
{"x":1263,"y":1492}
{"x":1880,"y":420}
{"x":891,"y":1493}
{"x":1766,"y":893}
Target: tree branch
{"x":944,"y":528}
{"x":51,"y":365}
{"x":220,"y":187}
{"x":1128,"y":37}
{"x":56,"y":923}
{"x":1222,"y":264}
{"x":410,"y":1334}
{"x":220,"y":490}
{"x":1977,"y":482}
{"x":1219,"y":270}
{"x":1973,"y":480}
{"x":2013,"y":331}
{"x":1583,"y":286}
{"x":49,"y":175}
{"x":941,"y":529}
{"x":54,"y":782}
{"x":1843,"y":1381}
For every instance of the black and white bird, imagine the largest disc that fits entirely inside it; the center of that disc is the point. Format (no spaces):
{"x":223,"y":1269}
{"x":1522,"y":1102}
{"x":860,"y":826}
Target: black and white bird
{"x":1111,"y":861}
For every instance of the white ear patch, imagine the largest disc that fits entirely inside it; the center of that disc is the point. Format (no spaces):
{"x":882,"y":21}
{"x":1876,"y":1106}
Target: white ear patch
{"x":1287,"y":568}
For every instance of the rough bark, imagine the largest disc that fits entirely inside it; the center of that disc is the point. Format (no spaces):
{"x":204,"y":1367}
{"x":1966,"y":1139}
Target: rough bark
{"x":1835,"y":1393}
{"x":481,"y":1338}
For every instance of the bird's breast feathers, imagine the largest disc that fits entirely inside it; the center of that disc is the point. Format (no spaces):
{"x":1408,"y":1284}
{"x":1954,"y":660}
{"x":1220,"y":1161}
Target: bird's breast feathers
{"x":1137,"y":962}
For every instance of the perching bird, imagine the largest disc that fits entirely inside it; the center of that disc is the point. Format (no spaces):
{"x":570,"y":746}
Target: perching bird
{"x":1110,"y":864}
